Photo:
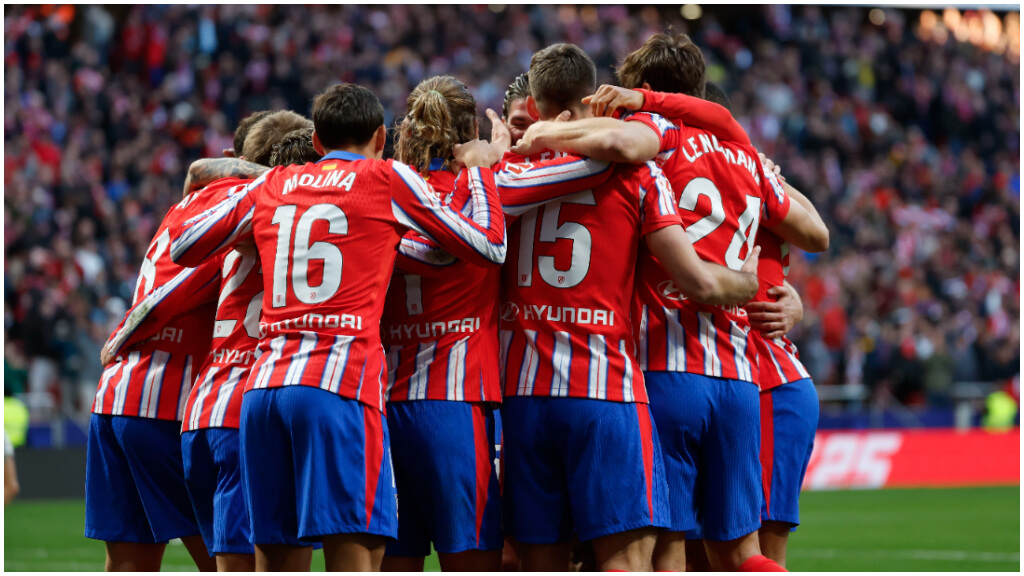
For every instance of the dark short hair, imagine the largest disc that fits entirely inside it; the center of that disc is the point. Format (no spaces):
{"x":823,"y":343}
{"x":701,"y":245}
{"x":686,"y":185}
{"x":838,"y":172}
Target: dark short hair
{"x":714,"y":93}
{"x":346,"y":114}
{"x":295,"y":148}
{"x":517,"y":90}
{"x":560,"y":76}
{"x":668,"y":62}
{"x":269,"y":131}
{"x":244,"y":125}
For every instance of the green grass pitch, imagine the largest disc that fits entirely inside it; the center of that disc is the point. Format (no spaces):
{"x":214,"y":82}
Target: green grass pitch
{"x":967,"y":529}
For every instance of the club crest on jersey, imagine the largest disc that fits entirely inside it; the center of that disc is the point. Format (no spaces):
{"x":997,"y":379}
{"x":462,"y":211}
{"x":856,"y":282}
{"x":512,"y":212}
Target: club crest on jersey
{"x":509,"y":311}
{"x":669,"y":291}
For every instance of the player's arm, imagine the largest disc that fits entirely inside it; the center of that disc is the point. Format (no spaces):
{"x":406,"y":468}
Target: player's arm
{"x":605,"y":139}
{"x":479,"y":239}
{"x":692,"y":111}
{"x":790,"y":215}
{"x":776,"y":319}
{"x":422,"y":256}
{"x":206,"y":171}
{"x":189,"y":289}
{"x":698,"y":280}
{"x":214,"y":220}
{"x":525,"y":186}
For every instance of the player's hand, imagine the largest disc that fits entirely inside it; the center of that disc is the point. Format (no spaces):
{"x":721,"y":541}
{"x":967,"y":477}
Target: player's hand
{"x":770,"y":166}
{"x":477,"y":154}
{"x":501,"y":138}
{"x":776,"y":319}
{"x":533,"y":139}
{"x":106,"y":358}
{"x":610,"y":98}
{"x":750,"y":266}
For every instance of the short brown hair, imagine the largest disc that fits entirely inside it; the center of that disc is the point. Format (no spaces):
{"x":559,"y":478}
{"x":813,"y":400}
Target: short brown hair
{"x":560,"y":76}
{"x":714,"y":93}
{"x":295,"y":148}
{"x":517,"y":90}
{"x":244,"y":125}
{"x":668,"y":62}
{"x":346,"y":114}
{"x":269,"y":131}
{"x":442,"y":113}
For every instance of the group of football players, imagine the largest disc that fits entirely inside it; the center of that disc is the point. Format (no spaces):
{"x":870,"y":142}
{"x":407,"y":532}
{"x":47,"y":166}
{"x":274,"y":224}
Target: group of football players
{"x":319,"y":335}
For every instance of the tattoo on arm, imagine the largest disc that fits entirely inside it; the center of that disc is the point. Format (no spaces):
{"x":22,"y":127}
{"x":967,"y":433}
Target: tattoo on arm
{"x":207,"y":170}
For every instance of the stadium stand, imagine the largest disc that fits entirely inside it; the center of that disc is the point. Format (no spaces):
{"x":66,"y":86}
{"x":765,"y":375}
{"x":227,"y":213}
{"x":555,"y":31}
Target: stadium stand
{"x":903,"y":131}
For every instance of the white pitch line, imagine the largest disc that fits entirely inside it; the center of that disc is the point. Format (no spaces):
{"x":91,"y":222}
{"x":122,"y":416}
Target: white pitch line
{"x":937,"y":555}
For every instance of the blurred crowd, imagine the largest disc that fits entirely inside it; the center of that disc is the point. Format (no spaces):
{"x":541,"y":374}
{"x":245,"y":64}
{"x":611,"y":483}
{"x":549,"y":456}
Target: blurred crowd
{"x":909,"y":147}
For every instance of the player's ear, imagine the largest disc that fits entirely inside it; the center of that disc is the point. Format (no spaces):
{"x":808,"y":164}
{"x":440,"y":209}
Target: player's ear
{"x":317,"y":145}
{"x":531,"y":108}
{"x":228,"y":152}
{"x":646,"y":86}
{"x":380,"y":138}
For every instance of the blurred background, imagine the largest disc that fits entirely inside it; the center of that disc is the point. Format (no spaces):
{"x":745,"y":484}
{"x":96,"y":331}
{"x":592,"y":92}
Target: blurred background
{"x":901,"y":125}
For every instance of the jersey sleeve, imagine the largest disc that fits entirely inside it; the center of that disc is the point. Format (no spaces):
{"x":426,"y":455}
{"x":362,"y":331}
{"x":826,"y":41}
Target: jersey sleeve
{"x":668,"y":133}
{"x":423,"y":256}
{"x":696,"y":113}
{"x":525,"y":186}
{"x":479,"y":238}
{"x":189,"y":289}
{"x":776,"y":201}
{"x":215,"y":219}
{"x":657,"y":200}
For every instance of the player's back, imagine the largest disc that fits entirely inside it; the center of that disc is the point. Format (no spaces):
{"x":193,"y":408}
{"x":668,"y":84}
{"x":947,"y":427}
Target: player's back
{"x":164,"y":338}
{"x":440,"y":328}
{"x":326,"y":238}
{"x":721,"y":191}
{"x":567,"y":285}
{"x":216,"y":398}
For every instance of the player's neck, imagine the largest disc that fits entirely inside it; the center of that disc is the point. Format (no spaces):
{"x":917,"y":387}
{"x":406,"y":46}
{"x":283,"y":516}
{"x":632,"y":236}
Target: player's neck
{"x":366,"y":150}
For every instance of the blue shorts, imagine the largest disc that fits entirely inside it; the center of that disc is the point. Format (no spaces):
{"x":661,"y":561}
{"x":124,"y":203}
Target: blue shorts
{"x":315,"y":464}
{"x":711,"y":438}
{"x":789,"y":418}
{"x":592,"y":466}
{"x":214,"y":479}
{"x":134,"y":482}
{"x":444,"y":469}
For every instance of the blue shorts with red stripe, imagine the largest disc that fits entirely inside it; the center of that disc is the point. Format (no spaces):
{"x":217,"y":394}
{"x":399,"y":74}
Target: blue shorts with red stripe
{"x":789,"y":418}
{"x":444,"y":469}
{"x":711,"y":437}
{"x":315,"y":464}
{"x":213,"y":475}
{"x":134,"y":482}
{"x":576,"y":464}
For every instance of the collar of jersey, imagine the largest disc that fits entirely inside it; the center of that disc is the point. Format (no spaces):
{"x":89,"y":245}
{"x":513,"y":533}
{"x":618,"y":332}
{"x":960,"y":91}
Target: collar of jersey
{"x":340,"y":155}
{"x":436,"y":164}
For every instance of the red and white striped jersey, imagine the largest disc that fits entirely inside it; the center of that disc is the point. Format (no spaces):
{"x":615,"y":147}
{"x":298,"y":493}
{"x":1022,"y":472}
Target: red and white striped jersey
{"x":567,"y":286}
{"x":723,"y":194}
{"x":440,"y":323}
{"x":327,"y":234}
{"x":216,"y":399}
{"x":164,"y":337}
{"x":778,"y":359}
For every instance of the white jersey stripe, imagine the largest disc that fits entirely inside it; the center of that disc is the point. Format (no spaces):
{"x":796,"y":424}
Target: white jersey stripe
{"x":792,"y":358}
{"x":708,"y":340}
{"x":627,"y":375}
{"x":108,"y":374}
{"x":644,"y":327}
{"x":204,"y":390}
{"x":597,"y":382}
{"x":530,"y":364}
{"x":738,"y":338}
{"x":121,"y":388}
{"x":186,"y":386}
{"x":152,"y":384}
{"x":393,"y":358}
{"x":421,"y":376}
{"x":456,"y":380}
{"x":297,"y":366}
{"x":561,"y":364}
{"x":267,"y":369}
{"x":775,"y":361}
{"x":220,"y":406}
{"x":675,"y":340}
{"x":337,"y":360}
